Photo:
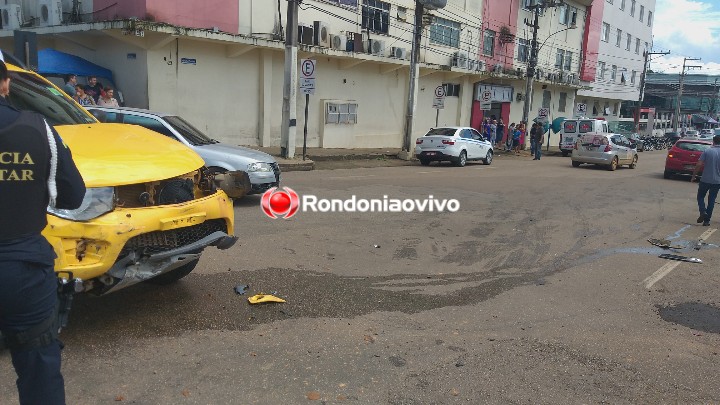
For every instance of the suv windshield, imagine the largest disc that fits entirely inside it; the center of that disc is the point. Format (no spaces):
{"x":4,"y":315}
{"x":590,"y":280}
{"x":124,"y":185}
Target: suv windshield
{"x":189,"y":132}
{"x":28,"y":92}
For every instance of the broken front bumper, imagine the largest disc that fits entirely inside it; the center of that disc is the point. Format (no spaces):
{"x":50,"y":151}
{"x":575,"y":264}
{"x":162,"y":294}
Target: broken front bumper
{"x":147,"y":234}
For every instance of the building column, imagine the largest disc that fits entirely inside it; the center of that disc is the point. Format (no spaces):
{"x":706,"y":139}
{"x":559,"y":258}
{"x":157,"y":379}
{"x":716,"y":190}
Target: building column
{"x":265,"y":96}
{"x":465,"y":102}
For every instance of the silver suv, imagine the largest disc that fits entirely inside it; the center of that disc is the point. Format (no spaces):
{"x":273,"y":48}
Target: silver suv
{"x":611,"y":150}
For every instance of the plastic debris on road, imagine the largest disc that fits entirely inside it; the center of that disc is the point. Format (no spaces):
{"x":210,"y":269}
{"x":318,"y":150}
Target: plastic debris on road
{"x":262,"y":298}
{"x":665,"y":244}
{"x":241,"y":288}
{"x":681,"y":258}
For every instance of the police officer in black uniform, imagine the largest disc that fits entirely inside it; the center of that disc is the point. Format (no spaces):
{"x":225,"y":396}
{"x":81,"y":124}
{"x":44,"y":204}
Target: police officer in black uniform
{"x":36,"y":170}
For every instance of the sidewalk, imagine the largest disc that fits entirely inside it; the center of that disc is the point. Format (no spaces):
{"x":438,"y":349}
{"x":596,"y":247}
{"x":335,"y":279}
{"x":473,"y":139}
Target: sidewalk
{"x":376,"y":154}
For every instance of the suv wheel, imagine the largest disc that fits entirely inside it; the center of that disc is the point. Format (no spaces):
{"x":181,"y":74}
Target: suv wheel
{"x":667,"y":174}
{"x":575,"y":163}
{"x":634,"y":162}
{"x":614,"y":164}
{"x":175,"y":274}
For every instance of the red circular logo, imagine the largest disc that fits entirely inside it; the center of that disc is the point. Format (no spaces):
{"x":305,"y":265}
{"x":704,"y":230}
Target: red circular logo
{"x":283,"y":204}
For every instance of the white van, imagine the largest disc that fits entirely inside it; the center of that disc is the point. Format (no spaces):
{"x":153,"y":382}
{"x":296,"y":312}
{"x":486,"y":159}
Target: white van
{"x":573,"y":129}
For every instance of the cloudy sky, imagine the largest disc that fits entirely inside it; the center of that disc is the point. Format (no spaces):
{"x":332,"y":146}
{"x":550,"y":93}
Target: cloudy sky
{"x":687,"y":28}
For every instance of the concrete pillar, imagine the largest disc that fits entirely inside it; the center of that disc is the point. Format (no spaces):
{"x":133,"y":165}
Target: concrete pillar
{"x":265,"y":97}
{"x":465,"y":102}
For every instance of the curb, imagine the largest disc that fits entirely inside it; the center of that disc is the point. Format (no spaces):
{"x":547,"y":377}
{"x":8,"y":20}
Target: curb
{"x":362,"y":156}
{"x":299,"y":166}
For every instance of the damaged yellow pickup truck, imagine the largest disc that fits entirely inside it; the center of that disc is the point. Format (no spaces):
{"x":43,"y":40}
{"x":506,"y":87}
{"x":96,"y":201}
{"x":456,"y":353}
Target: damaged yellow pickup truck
{"x":150,"y":208}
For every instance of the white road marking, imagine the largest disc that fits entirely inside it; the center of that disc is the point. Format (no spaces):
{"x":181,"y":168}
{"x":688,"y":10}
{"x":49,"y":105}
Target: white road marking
{"x":659,"y":274}
{"x":670,"y":266}
{"x":707,"y":234}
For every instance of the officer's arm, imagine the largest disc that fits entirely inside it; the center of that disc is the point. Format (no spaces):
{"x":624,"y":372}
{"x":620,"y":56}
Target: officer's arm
{"x":70,"y":185}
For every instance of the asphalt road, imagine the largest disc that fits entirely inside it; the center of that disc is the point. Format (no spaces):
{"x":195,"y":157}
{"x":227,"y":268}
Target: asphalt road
{"x":541,"y":289}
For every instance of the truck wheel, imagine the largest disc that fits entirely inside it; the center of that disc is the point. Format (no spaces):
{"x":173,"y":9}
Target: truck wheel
{"x":175,"y":274}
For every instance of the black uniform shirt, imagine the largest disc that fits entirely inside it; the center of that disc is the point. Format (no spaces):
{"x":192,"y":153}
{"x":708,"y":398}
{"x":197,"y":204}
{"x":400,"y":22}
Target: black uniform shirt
{"x":70,"y":188}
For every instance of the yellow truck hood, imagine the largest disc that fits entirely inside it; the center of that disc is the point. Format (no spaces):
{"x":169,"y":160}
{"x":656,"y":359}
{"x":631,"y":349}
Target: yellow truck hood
{"x":120,"y":154}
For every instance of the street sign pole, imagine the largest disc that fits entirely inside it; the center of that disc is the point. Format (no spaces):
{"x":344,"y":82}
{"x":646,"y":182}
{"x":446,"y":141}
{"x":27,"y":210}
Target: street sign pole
{"x":307,"y":102}
{"x":307,"y":85}
{"x":437,"y":117}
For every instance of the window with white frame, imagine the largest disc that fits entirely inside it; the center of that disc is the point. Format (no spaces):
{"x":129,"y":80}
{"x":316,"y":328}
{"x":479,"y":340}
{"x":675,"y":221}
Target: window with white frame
{"x":637,"y":46}
{"x":563,"y":59}
{"x":523,"y":49}
{"x":650,"y":17}
{"x":451,"y":90}
{"x":341,"y":113}
{"x":642,"y":13}
{"x":562,"y":102}
{"x":376,"y":16}
{"x":547,"y":98}
{"x":445,"y":32}
{"x":601,"y":70}
{"x":606,"y":32}
{"x":629,"y":42}
{"x":619,"y":38}
{"x":632,"y":8}
{"x":622,"y":4}
{"x":489,"y":43}
{"x":567,"y":14}
{"x":613,"y":73}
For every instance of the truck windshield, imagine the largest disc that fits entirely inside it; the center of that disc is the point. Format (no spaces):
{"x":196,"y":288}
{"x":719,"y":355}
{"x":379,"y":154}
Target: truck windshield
{"x":28,"y":92}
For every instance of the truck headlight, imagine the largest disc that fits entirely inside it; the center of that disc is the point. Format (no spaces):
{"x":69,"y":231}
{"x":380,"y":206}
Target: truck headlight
{"x":97,"y":201}
{"x":259,"y":167}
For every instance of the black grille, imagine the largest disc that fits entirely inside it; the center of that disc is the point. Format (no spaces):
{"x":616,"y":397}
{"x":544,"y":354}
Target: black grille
{"x":161,"y":241}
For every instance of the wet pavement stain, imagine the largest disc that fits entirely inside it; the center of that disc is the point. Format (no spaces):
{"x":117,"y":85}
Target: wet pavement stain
{"x":208,"y":301}
{"x":694,"y":315}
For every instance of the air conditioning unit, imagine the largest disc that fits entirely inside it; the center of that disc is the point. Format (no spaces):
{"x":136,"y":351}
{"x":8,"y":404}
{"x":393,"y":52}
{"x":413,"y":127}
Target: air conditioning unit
{"x":339,"y":42}
{"x":49,"y":12}
{"x":480,"y":66}
{"x":376,"y":47}
{"x":460,"y":60}
{"x":498,"y":68}
{"x":321,"y":34}
{"x":306,"y":35}
{"x":399,"y":53}
{"x":11,"y":15}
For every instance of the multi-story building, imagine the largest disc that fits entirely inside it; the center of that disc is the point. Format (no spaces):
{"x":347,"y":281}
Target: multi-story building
{"x":625,"y":28}
{"x":222,"y":66}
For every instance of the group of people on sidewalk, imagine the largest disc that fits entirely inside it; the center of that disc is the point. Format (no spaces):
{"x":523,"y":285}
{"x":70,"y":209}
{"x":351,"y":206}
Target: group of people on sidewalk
{"x":93,"y":93}
{"x":494,"y":132}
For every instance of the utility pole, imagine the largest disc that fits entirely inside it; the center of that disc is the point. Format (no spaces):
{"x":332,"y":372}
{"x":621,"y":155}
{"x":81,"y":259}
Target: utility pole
{"x":676,"y":121}
{"x":715,"y":97}
{"x":641,"y":96}
{"x":532,"y":65}
{"x":414,"y":73}
{"x":289,"y":113}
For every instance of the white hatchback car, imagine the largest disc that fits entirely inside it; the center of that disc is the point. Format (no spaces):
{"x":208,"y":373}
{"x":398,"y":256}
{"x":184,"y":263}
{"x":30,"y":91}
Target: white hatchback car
{"x":454,"y":144}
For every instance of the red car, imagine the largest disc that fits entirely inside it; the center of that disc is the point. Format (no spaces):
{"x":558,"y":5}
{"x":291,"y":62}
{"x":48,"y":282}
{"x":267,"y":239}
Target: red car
{"x":684,"y":155}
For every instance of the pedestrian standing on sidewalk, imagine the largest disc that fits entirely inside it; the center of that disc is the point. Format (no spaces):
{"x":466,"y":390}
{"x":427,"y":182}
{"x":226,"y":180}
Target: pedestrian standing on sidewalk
{"x":510,"y":134}
{"x":539,"y":140}
{"x":500,"y":132}
{"x":709,"y":164}
{"x":493,"y":132}
{"x":533,"y":130}
{"x":516,"y":139}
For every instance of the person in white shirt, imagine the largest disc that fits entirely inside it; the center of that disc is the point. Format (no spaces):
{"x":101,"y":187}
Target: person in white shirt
{"x":107,"y":99}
